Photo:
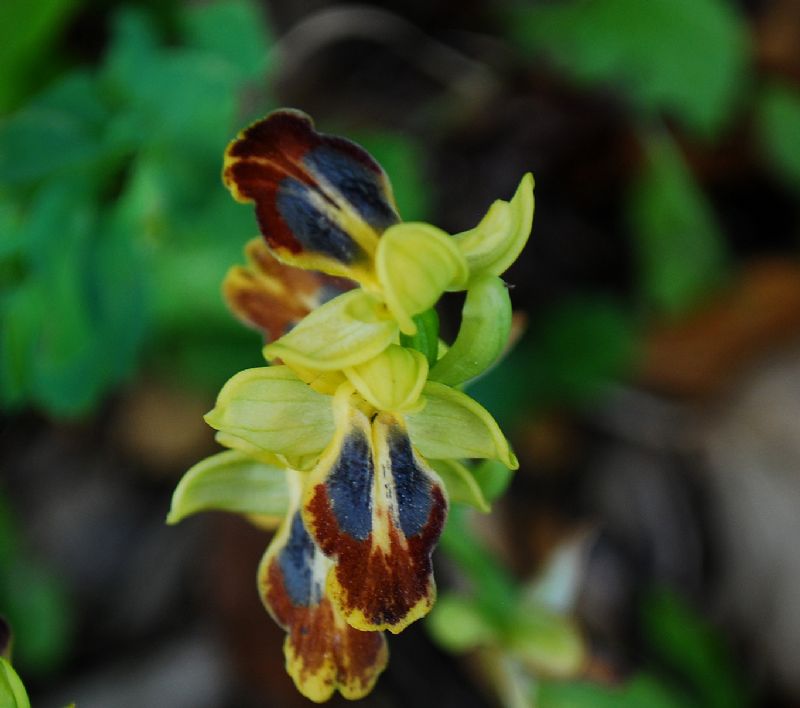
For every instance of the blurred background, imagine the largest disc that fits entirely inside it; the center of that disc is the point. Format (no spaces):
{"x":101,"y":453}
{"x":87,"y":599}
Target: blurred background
{"x":645,"y":554}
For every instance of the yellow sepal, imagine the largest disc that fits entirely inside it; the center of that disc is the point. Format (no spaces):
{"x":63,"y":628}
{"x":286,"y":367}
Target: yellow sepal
{"x":496,"y":242}
{"x":348,"y":330}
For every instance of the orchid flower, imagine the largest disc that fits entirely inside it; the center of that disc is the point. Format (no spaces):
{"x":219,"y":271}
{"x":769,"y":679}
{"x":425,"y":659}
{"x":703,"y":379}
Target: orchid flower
{"x":355,"y":432}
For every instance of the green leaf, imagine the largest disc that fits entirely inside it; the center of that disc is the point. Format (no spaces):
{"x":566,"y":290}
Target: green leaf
{"x":120,"y":274}
{"x":19,"y":311}
{"x":38,"y":608}
{"x":179,"y":97}
{"x":27,"y":29}
{"x":63,"y":372}
{"x":460,"y":484}
{"x":346,"y":331}
{"x":642,"y":690}
{"x":778,"y":124}
{"x":483,"y":335}
{"x":582,"y":346}
{"x":235,"y":30}
{"x":134,"y":43}
{"x":230,"y":481}
{"x":692,"y":647}
{"x":426,"y":340}
{"x":496,"y":595}
{"x":457,"y":624}
{"x":57,"y":133}
{"x":492,"y":477}
{"x":453,"y":426}
{"x":273,"y":410}
{"x":12,"y":692}
{"x":545,"y":641}
{"x":680,"y":248}
{"x":687,"y":57}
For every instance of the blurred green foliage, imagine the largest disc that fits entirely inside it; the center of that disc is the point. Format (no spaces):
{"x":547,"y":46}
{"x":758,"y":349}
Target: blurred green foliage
{"x":688,"y":58}
{"x":26,"y":29}
{"x":109,"y":189}
{"x":694,"y":650}
{"x":117,"y":230}
{"x":778,"y":124}
{"x":569,"y":357}
{"x":496,"y":614}
{"x":686,"y":61}
{"x":642,"y":690}
{"x":679,"y":245}
{"x":33,"y":600}
{"x":691,"y":666}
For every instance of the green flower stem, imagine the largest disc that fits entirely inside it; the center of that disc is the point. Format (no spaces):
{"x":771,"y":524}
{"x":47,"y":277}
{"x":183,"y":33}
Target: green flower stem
{"x":426,"y":340}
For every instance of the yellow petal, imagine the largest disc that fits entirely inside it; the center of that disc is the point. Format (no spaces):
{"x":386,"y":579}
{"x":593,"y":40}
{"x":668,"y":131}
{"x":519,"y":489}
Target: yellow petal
{"x":391,"y":381}
{"x":415,"y":264}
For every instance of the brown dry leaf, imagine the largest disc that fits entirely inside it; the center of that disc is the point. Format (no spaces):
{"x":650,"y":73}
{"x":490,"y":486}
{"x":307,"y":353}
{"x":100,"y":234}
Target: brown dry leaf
{"x":778,"y":38}
{"x":700,"y":355}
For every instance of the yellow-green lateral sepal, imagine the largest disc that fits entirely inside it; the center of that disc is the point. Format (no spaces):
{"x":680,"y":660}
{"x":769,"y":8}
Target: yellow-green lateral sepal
{"x":302,"y":463}
{"x":415,"y":264}
{"x":272,"y":410}
{"x":451,"y":425}
{"x":230,"y":481}
{"x":12,"y":692}
{"x":483,"y":335}
{"x":462,"y":487}
{"x":348,"y":330}
{"x":393,"y":380}
{"x":494,"y":244}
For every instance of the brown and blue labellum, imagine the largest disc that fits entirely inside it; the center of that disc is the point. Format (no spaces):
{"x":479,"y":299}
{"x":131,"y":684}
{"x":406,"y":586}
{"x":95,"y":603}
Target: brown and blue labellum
{"x":273,"y":297}
{"x":321,"y":201}
{"x":377,"y":510}
{"x":323,"y":653}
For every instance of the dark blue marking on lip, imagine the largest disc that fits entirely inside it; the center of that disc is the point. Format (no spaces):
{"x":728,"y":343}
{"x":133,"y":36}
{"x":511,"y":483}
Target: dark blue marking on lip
{"x":296,"y":562}
{"x":313,"y":229}
{"x":412,"y":485}
{"x":350,"y":486}
{"x":358,"y":184}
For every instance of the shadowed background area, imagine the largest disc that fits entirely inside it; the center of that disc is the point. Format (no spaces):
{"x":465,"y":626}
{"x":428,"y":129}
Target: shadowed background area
{"x":653,"y":397}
